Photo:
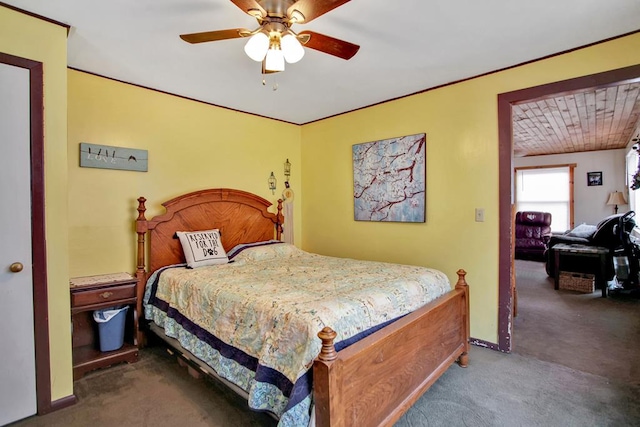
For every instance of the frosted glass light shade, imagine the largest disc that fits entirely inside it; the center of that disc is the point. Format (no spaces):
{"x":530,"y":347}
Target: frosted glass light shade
{"x":291,"y":48}
{"x":257,"y":46}
{"x":275,"y":60}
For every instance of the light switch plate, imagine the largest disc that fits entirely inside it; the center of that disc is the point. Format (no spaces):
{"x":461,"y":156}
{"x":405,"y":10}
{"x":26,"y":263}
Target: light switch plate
{"x":479,"y":214}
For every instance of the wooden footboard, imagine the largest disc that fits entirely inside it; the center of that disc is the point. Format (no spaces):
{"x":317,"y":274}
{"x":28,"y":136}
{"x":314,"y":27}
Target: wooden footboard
{"x":374,"y":381}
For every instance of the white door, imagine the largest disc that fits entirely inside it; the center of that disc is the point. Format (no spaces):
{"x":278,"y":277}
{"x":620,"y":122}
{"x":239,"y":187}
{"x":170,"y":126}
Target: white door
{"x":17,"y":358}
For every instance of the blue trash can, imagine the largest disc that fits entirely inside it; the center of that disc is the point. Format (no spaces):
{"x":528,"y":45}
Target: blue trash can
{"x":111,"y":322}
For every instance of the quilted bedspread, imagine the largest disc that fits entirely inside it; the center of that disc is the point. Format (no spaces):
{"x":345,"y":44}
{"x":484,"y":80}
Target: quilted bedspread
{"x":255,"y":320}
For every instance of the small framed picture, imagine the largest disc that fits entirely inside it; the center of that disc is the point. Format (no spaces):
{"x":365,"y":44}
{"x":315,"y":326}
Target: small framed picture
{"x":594,"y":178}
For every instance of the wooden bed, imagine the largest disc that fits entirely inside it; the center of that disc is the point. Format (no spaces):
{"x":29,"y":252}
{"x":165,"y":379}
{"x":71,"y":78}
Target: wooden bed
{"x":370,"y":383}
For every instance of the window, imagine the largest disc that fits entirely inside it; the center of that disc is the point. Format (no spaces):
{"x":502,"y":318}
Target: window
{"x":632,"y":167}
{"x":546,"y":189}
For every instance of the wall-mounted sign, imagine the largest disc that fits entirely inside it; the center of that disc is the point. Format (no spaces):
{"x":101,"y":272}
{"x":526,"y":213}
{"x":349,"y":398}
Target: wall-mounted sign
{"x":108,"y":157}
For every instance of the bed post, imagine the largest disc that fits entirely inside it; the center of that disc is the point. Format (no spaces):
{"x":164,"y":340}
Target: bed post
{"x":141,"y":274}
{"x":280,"y":219}
{"x":462,"y":285}
{"x":325,"y":387}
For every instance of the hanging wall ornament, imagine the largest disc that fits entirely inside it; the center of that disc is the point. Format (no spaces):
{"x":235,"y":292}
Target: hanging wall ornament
{"x":287,"y":194}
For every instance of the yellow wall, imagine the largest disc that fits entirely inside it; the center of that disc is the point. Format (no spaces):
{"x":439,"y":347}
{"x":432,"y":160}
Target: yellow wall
{"x":90,"y":212}
{"x":191,"y":146}
{"x":31,"y":38}
{"x":462,"y":174}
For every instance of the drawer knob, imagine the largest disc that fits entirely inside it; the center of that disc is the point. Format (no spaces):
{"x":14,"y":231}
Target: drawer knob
{"x":106,"y":294}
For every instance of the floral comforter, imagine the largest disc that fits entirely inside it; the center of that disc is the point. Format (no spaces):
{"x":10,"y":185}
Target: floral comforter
{"x":255,"y":320}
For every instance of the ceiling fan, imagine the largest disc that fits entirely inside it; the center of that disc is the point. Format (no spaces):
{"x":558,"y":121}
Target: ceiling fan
{"x":273,"y":41}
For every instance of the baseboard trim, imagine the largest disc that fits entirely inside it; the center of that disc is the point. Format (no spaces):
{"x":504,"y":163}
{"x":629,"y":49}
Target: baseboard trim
{"x":56,"y":405}
{"x":485,"y":344}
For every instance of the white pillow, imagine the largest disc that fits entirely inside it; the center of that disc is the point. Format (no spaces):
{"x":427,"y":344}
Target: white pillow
{"x":267,"y":252}
{"x":244,"y":246}
{"x":202,"y":248}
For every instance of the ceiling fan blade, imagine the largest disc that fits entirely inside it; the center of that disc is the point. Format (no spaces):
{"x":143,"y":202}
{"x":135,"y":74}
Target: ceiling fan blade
{"x":211,"y":36}
{"x":311,"y":9}
{"x":250,"y":7}
{"x":330,"y":45}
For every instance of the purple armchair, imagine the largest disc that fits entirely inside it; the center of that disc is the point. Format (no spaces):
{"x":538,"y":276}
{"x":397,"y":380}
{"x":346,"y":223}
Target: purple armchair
{"x":533,"y":231}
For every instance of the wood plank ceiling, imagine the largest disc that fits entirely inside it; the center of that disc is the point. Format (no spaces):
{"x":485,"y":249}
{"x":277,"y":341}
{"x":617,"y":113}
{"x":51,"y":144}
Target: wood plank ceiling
{"x":587,"y":120}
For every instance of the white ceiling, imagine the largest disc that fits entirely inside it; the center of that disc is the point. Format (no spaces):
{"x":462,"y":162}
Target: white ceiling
{"x":407,"y":46}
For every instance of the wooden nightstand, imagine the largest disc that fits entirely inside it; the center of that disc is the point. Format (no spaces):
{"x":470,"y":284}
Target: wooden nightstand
{"x":98,"y":292}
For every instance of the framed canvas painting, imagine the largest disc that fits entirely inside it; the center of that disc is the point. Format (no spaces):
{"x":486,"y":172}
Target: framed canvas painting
{"x":389,"y":179}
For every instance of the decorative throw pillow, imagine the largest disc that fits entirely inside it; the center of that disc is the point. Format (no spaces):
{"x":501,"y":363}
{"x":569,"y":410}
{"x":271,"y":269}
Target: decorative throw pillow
{"x":202,"y":248}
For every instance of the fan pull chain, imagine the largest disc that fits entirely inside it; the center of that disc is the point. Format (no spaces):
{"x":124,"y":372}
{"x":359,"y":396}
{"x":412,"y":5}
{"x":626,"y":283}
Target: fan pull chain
{"x":274,"y":87}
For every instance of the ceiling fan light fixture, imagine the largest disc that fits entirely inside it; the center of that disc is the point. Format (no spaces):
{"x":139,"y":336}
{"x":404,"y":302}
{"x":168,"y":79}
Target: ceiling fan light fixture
{"x":275,"y":59}
{"x":291,"y":48}
{"x":273,"y":42}
{"x":257,"y":46}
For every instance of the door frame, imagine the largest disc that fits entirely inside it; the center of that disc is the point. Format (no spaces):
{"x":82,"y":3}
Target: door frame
{"x":38,"y":240}
{"x":505,"y":177}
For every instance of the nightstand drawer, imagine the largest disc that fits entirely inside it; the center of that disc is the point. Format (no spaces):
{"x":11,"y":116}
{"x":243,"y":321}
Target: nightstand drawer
{"x":97,"y":296}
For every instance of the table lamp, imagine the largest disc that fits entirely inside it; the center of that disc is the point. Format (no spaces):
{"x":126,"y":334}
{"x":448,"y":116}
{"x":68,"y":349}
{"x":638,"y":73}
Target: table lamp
{"x":616,"y":198}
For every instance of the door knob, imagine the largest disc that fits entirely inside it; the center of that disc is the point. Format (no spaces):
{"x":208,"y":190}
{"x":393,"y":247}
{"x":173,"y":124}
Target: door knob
{"x":16,"y":267}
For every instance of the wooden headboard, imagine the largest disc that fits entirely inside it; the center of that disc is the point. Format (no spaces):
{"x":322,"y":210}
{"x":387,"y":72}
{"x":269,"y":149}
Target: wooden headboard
{"x":240,"y":216}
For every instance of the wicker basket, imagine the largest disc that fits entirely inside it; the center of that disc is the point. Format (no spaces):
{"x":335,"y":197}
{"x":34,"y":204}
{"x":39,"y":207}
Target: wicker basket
{"x":580,"y":282}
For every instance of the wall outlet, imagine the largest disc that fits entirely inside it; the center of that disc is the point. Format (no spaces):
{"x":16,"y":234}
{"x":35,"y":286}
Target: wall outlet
{"x":479,"y":214}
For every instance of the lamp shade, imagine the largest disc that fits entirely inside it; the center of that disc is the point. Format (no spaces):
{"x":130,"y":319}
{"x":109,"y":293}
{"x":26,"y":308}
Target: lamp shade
{"x":616,"y":198}
{"x":275,"y":60}
{"x":291,"y":48}
{"x":257,"y":46}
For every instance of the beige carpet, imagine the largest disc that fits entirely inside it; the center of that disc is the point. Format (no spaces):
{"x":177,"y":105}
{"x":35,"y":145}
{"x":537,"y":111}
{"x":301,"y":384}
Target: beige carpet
{"x":581,"y":331}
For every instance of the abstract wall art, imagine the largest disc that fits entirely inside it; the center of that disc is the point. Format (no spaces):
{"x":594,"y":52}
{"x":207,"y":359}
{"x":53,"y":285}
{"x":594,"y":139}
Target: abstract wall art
{"x":389,"y":179}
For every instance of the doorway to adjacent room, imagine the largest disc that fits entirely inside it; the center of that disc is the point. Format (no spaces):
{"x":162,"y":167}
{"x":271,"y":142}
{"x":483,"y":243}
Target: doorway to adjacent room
{"x":506,"y":103}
